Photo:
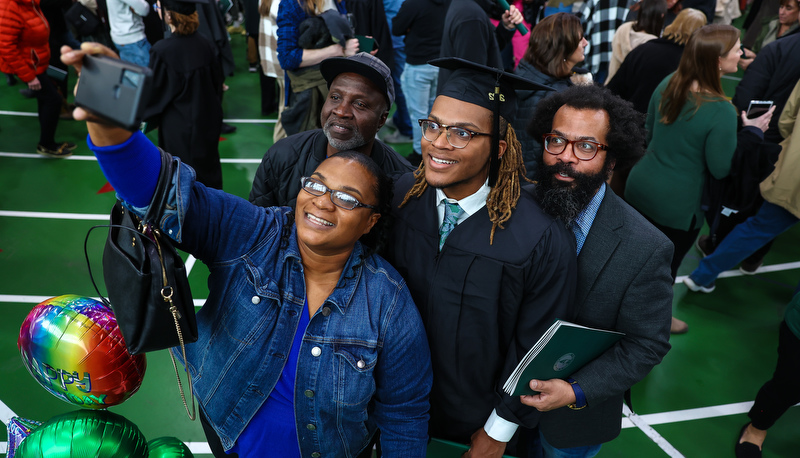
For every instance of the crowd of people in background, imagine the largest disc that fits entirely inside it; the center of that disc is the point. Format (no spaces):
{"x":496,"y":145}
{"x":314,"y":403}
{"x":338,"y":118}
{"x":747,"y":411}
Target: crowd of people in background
{"x":604,"y":131}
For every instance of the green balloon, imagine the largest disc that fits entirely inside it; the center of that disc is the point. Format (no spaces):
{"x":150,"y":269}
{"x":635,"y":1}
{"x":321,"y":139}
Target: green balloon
{"x":168,"y":447}
{"x":85,"y":434}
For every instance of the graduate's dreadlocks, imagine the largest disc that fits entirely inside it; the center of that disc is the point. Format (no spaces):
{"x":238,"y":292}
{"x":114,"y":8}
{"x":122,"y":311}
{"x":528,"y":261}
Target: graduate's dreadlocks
{"x":504,"y":195}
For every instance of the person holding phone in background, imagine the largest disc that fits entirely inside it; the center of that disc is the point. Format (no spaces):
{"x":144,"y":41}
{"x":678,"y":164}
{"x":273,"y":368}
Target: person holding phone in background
{"x":691,"y":133}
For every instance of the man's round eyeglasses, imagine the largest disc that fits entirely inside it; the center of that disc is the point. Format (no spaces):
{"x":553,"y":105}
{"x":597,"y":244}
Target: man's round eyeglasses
{"x":584,"y":150}
{"x":458,"y":137}
{"x":339,"y":198}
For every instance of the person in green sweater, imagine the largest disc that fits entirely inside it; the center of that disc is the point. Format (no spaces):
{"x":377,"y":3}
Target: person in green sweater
{"x":691,"y":132}
{"x":780,"y":392}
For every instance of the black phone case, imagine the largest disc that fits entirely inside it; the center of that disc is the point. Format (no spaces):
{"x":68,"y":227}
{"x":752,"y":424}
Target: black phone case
{"x":114,"y":90}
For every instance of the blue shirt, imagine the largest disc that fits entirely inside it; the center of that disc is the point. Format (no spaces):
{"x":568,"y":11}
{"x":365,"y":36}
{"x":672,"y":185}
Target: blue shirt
{"x":273,"y":432}
{"x":583,"y":222}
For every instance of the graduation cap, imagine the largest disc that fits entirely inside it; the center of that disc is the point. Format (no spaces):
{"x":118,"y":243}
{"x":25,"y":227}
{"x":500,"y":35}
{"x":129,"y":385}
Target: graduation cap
{"x":185,"y":7}
{"x":487,"y":87}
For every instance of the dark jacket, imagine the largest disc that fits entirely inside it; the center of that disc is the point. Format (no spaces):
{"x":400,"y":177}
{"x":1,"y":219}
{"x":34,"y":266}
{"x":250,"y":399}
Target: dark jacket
{"x":526,"y":105}
{"x":624,"y":284}
{"x":752,"y":163}
{"x":469,"y":34}
{"x":187,"y":103}
{"x":484,"y":306}
{"x":421,"y":21}
{"x":277,"y":179}
{"x":771,"y":76}
{"x":644,"y":69}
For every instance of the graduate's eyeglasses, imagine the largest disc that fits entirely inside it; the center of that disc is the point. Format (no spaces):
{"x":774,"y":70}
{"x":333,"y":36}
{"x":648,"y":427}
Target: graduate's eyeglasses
{"x":339,"y":198}
{"x":584,"y":150}
{"x":458,"y":137}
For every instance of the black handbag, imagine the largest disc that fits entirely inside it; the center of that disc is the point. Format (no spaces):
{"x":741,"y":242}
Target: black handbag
{"x":146,"y":280}
{"x":82,"y":18}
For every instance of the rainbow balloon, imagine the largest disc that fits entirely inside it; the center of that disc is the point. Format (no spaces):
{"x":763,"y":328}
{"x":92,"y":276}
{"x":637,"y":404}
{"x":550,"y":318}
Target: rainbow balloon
{"x":73,"y":347}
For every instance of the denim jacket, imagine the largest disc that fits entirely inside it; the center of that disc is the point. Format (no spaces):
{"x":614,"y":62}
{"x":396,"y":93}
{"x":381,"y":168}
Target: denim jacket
{"x":364,"y":362}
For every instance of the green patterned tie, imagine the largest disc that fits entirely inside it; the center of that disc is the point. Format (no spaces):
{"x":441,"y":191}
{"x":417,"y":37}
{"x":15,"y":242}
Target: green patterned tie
{"x":451,"y":214}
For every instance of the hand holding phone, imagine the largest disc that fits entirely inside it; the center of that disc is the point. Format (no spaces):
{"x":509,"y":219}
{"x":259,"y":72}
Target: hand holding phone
{"x":758,"y":108}
{"x":115,"y":90}
{"x":101,"y":132}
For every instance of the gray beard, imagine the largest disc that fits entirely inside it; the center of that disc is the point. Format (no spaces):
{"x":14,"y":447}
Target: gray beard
{"x":356,"y":141}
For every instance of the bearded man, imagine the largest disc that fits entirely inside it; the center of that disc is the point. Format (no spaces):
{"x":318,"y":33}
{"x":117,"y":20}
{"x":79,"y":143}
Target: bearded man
{"x":360,"y":94}
{"x":624,"y":282}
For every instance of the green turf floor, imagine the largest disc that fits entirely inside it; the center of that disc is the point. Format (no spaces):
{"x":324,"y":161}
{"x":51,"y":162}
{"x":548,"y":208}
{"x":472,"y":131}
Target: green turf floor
{"x":693,"y":401}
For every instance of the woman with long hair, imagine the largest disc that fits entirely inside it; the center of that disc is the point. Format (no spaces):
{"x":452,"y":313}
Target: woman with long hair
{"x":186,"y":95}
{"x":555,"y":47}
{"x":691,"y":133}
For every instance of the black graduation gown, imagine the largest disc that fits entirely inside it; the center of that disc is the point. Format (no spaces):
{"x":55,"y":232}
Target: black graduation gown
{"x":484,"y":306}
{"x":185,"y":103}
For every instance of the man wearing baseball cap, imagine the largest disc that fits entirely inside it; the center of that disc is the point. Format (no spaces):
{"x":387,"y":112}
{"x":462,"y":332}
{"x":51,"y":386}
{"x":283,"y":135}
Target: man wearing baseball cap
{"x":360,"y":93}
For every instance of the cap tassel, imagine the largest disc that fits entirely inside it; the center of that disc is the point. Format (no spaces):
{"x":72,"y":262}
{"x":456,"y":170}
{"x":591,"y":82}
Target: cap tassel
{"x":494,"y":157}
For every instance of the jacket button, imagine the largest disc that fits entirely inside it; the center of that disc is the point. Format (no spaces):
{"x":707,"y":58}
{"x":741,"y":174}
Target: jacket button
{"x":361,"y":364}
{"x":255,"y":299}
{"x":309,"y":394}
{"x":326,"y":311}
{"x":316,"y":455}
{"x":316,"y":351}
{"x":311,"y":427}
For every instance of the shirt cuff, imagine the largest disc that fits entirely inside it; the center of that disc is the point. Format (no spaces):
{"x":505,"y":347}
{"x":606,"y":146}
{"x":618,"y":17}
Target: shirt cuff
{"x":499,"y":428}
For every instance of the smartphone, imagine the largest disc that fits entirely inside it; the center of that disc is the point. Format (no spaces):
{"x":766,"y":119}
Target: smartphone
{"x":115,"y":90}
{"x":758,"y":108}
{"x":366,"y":44}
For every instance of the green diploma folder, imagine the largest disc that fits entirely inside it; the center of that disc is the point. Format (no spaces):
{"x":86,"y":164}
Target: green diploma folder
{"x":562,"y":350}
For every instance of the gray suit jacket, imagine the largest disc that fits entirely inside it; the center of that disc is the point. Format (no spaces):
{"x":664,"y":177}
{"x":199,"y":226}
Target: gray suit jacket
{"x":624,"y":284}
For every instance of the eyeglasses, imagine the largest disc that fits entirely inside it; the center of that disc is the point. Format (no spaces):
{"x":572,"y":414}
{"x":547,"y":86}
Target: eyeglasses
{"x":584,"y":150}
{"x":339,"y":198}
{"x":458,"y":137}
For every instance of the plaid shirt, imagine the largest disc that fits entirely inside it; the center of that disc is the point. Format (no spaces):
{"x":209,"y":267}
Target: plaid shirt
{"x":268,"y":43}
{"x":601,"y":18}
{"x":290,"y":15}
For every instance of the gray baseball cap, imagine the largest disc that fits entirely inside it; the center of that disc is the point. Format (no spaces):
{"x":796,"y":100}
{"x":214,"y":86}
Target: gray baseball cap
{"x":364,"y":64}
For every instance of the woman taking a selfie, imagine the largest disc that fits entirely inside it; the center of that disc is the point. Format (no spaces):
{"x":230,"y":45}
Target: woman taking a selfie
{"x":308,"y":342}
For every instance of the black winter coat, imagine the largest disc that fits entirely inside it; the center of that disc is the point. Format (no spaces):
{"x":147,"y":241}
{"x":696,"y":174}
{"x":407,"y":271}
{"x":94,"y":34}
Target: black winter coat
{"x":277,"y":179}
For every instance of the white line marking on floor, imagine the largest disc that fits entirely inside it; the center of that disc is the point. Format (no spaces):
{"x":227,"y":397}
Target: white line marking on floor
{"x":235,"y":121}
{"x":761,"y":270}
{"x":25,"y":299}
{"x":48,"y":215}
{"x":190,"y":261}
{"x":19,"y":113}
{"x":651,"y":433}
{"x":92,"y":158}
{"x":6,"y":414}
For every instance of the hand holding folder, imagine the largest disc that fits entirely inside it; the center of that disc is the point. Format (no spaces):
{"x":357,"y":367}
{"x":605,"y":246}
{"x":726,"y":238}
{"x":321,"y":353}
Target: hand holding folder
{"x":559,"y":353}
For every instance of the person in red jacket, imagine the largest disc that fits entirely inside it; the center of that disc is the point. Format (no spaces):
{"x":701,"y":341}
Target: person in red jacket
{"x":25,"y":52}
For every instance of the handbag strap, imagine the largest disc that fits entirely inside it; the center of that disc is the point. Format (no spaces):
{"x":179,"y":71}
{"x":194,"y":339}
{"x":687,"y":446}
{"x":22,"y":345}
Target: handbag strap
{"x":159,"y":200}
{"x":151,"y":219}
{"x":166,"y":293}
